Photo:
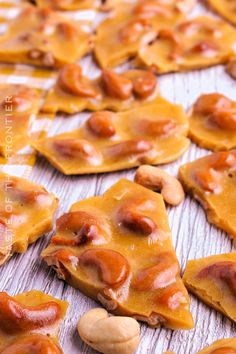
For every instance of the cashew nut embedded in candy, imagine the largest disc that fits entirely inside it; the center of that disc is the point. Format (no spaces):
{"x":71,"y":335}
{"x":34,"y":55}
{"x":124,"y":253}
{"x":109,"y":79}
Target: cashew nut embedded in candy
{"x":101,"y":124}
{"x":16,"y":317}
{"x":70,"y":80}
{"x":158,"y":275}
{"x":116,"y":85}
{"x":224,"y":271}
{"x":129,"y":148}
{"x":210,"y":103}
{"x":112,"y":268}
{"x":131,"y":217}
{"x":158,"y":180}
{"x":151,"y":8}
{"x":32,"y":344}
{"x":145,"y":84}
{"x":78,"y":149}
{"x":116,"y":335}
{"x":79,"y":227}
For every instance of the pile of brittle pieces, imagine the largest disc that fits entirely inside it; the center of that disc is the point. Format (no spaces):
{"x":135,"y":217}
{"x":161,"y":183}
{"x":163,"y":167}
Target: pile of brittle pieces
{"x":116,"y":248}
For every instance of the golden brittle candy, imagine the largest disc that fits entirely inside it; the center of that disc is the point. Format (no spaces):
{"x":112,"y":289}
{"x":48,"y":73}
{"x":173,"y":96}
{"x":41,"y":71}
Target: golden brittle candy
{"x":231,"y":68}
{"x":26,"y":212}
{"x":29,"y":323}
{"x":108,"y":5}
{"x":225,"y":8}
{"x":213,"y":280}
{"x":222,"y":346}
{"x":68,"y":4}
{"x":151,"y":6}
{"x":18,"y":105}
{"x":117,"y":249}
{"x":154,"y":133}
{"x":43,"y":37}
{"x":131,"y":26}
{"x":212,"y":181}
{"x":212,"y":122}
{"x":193,"y":44}
{"x":74,"y":92}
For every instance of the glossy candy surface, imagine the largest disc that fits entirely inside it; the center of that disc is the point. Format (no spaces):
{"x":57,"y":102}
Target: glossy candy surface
{"x":29,"y":323}
{"x":26,"y":213}
{"x":192,"y":44}
{"x":212,"y":181}
{"x":73,"y":92}
{"x":213,"y":280}
{"x":117,"y":249}
{"x":18,"y":106}
{"x":42,"y":37}
{"x":213,"y":122}
{"x":155,"y":133}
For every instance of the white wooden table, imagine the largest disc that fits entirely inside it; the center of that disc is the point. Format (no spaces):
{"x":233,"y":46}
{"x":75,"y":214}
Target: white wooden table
{"x":192,"y":235}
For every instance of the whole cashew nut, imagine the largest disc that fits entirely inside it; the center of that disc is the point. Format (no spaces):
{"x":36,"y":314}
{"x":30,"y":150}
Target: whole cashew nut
{"x":116,"y":335}
{"x":158,"y":180}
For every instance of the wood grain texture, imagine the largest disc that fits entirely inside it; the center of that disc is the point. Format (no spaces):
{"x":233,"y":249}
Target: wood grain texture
{"x":193,"y":236}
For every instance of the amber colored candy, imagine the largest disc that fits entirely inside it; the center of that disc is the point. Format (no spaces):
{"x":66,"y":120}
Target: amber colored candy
{"x":101,"y":124}
{"x":173,"y":297}
{"x":222,"y":346}
{"x":39,"y":343}
{"x":158,"y":276}
{"x":116,"y":85}
{"x":73,"y":92}
{"x":132,"y":26}
{"x":82,"y":226}
{"x":30,"y":215}
{"x":18,"y":318}
{"x":18,"y":105}
{"x":212,"y":181}
{"x":29,"y":323}
{"x":70,"y":80}
{"x":224,"y":8}
{"x":192,"y":44}
{"x":231,"y":68}
{"x":213,"y":280}
{"x":212,"y":121}
{"x":112,"y":267}
{"x":34,"y":35}
{"x":133,"y":269}
{"x":68,"y":5}
{"x":113,"y":141}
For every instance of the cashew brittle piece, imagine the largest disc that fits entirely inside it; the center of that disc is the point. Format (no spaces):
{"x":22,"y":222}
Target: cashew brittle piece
{"x":117,"y":249}
{"x":212,"y":121}
{"x":225,"y":8}
{"x":192,"y":44}
{"x":42,"y":37}
{"x":222,"y":346}
{"x":25,"y":217}
{"x":213,"y":280}
{"x":30,"y":320}
{"x":155,"y":133}
{"x":212,"y":181}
